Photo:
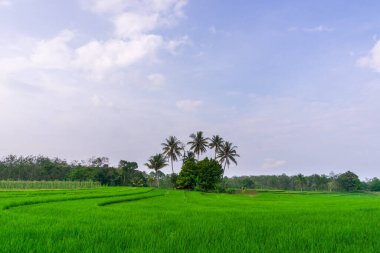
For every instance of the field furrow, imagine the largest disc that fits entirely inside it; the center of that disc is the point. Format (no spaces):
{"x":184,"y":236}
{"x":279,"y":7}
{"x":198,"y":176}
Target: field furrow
{"x":46,"y":201}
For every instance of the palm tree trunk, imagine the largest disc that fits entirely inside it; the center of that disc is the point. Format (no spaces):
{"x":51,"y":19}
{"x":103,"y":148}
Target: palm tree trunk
{"x":158,"y":181}
{"x":172,"y":166}
{"x":215,"y":155}
{"x":224,"y":167}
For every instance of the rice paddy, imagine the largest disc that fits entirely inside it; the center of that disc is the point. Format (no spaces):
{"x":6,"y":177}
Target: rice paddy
{"x":9,"y":184}
{"x":125,"y":219}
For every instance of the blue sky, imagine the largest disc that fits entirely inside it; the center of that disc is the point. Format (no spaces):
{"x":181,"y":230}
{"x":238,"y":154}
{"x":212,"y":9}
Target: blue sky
{"x":294,"y":84}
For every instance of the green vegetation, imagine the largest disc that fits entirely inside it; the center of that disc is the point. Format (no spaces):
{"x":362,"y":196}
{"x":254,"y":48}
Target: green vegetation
{"x":172,"y":149}
{"x":99,"y":171}
{"x":204,"y":175}
{"x":96,"y":169}
{"x":347,"y":181}
{"x":121,"y":219}
{"x":198,"y":143}
{"x":156,"y":163}
{"x":4,"y":184}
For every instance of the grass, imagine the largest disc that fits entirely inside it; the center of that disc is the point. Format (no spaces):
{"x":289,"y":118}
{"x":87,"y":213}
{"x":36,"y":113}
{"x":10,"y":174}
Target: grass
{"x":122,"y":219}
{"x":8,"y":184}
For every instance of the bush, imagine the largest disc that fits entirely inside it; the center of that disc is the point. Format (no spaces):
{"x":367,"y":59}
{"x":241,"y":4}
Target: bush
{"x":173,"y":179}
{"x":204,"y":175}
{"x":230,"y":190}
{"x":187,"y":178}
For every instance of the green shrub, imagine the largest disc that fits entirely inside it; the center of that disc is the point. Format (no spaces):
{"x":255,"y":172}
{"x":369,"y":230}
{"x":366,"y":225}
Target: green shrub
{"x":204,"y":175}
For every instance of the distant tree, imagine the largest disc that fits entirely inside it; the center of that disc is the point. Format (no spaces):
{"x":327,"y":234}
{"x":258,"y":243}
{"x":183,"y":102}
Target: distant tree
{"x":172,"y":148}
{"x":99,"y":161}
{"x":284,"y":182}
{"x":374,"y":184}
{"x":156,"y":163}
{"x":83,"y":173}
{"x":349,"y":181}
{"x":139,"y":179}
{"x":198,"y":143}
{"x":128,"y":171}
{"x":300,"y":181}
{"x":216,"y":143}
{"x":226,"y":154}
{"x":247,"y":182}
{"x":241,"y":182}
{"x":107,"y":176}
{"x":332,"y":183}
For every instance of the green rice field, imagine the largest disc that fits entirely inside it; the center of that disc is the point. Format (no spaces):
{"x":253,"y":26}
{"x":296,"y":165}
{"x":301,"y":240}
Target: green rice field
{"x":125,"y":219}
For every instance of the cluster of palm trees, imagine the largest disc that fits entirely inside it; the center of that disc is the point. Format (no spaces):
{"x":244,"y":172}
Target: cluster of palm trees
{"x":173,"y":149}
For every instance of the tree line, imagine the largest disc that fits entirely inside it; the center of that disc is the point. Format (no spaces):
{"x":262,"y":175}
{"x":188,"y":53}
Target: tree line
{"x":347,"y":181}
{"x":96,"y":169}
{"x":206,"y":174}
{"x":195,"y":173}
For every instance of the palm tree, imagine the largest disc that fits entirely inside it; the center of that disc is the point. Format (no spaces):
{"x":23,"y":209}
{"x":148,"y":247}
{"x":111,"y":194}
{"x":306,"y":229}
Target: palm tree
{"x":216,"y":143}
{"x":199,"y":143}
{"x":172,"y":149}
{"x":156,"y":163}
{"x":227,"y":153}
{"x":188,"y":156}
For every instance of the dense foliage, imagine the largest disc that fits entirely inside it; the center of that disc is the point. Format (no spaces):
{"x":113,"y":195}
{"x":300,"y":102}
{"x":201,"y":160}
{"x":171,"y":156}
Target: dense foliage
{"x":204,"y":175}
{"x":347,"y":181}
{"x":40,"y":168}
{"x":8,"y":184}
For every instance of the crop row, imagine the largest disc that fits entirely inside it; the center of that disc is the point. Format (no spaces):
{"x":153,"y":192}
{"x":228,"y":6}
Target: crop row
{"x":44,"y":201}
{"x":5,"y":184}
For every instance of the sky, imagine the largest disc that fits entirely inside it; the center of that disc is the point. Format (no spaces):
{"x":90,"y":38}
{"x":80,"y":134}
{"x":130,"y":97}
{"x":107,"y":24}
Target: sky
{"x":295,"y":85}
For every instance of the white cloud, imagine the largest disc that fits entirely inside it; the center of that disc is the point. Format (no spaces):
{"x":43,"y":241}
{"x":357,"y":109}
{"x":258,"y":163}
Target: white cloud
{"x":100,"y":57}
{"x":175,"y":7}
{"x":372,"y":60}
{"x":109,"y":6}
{"x":155,"y":81}
{"x":129,"y":25}
{"x":188,"y":104}
{"x":269,"y":164}
{"x":96,"y":58}
{"x":136,"y":17}
{"x":319,"y":28}
{"x":99,"y":101}
{"x":173,"y":45}
{"x":54,"y":53}
{"x":316,"y":29}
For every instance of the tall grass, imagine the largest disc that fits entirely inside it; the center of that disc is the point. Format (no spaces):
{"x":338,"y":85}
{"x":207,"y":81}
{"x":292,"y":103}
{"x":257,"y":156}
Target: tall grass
{"x":5,"y":184}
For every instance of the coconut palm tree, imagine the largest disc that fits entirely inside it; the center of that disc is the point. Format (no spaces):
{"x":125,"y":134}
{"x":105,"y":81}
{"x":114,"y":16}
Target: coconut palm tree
{"x":216,"y":143}
{"x":188,"y":156}
{"x":198,"y":143}
{"x":226,"y":154}
{"x":156,"y":163}
{"x":172,"y":149}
